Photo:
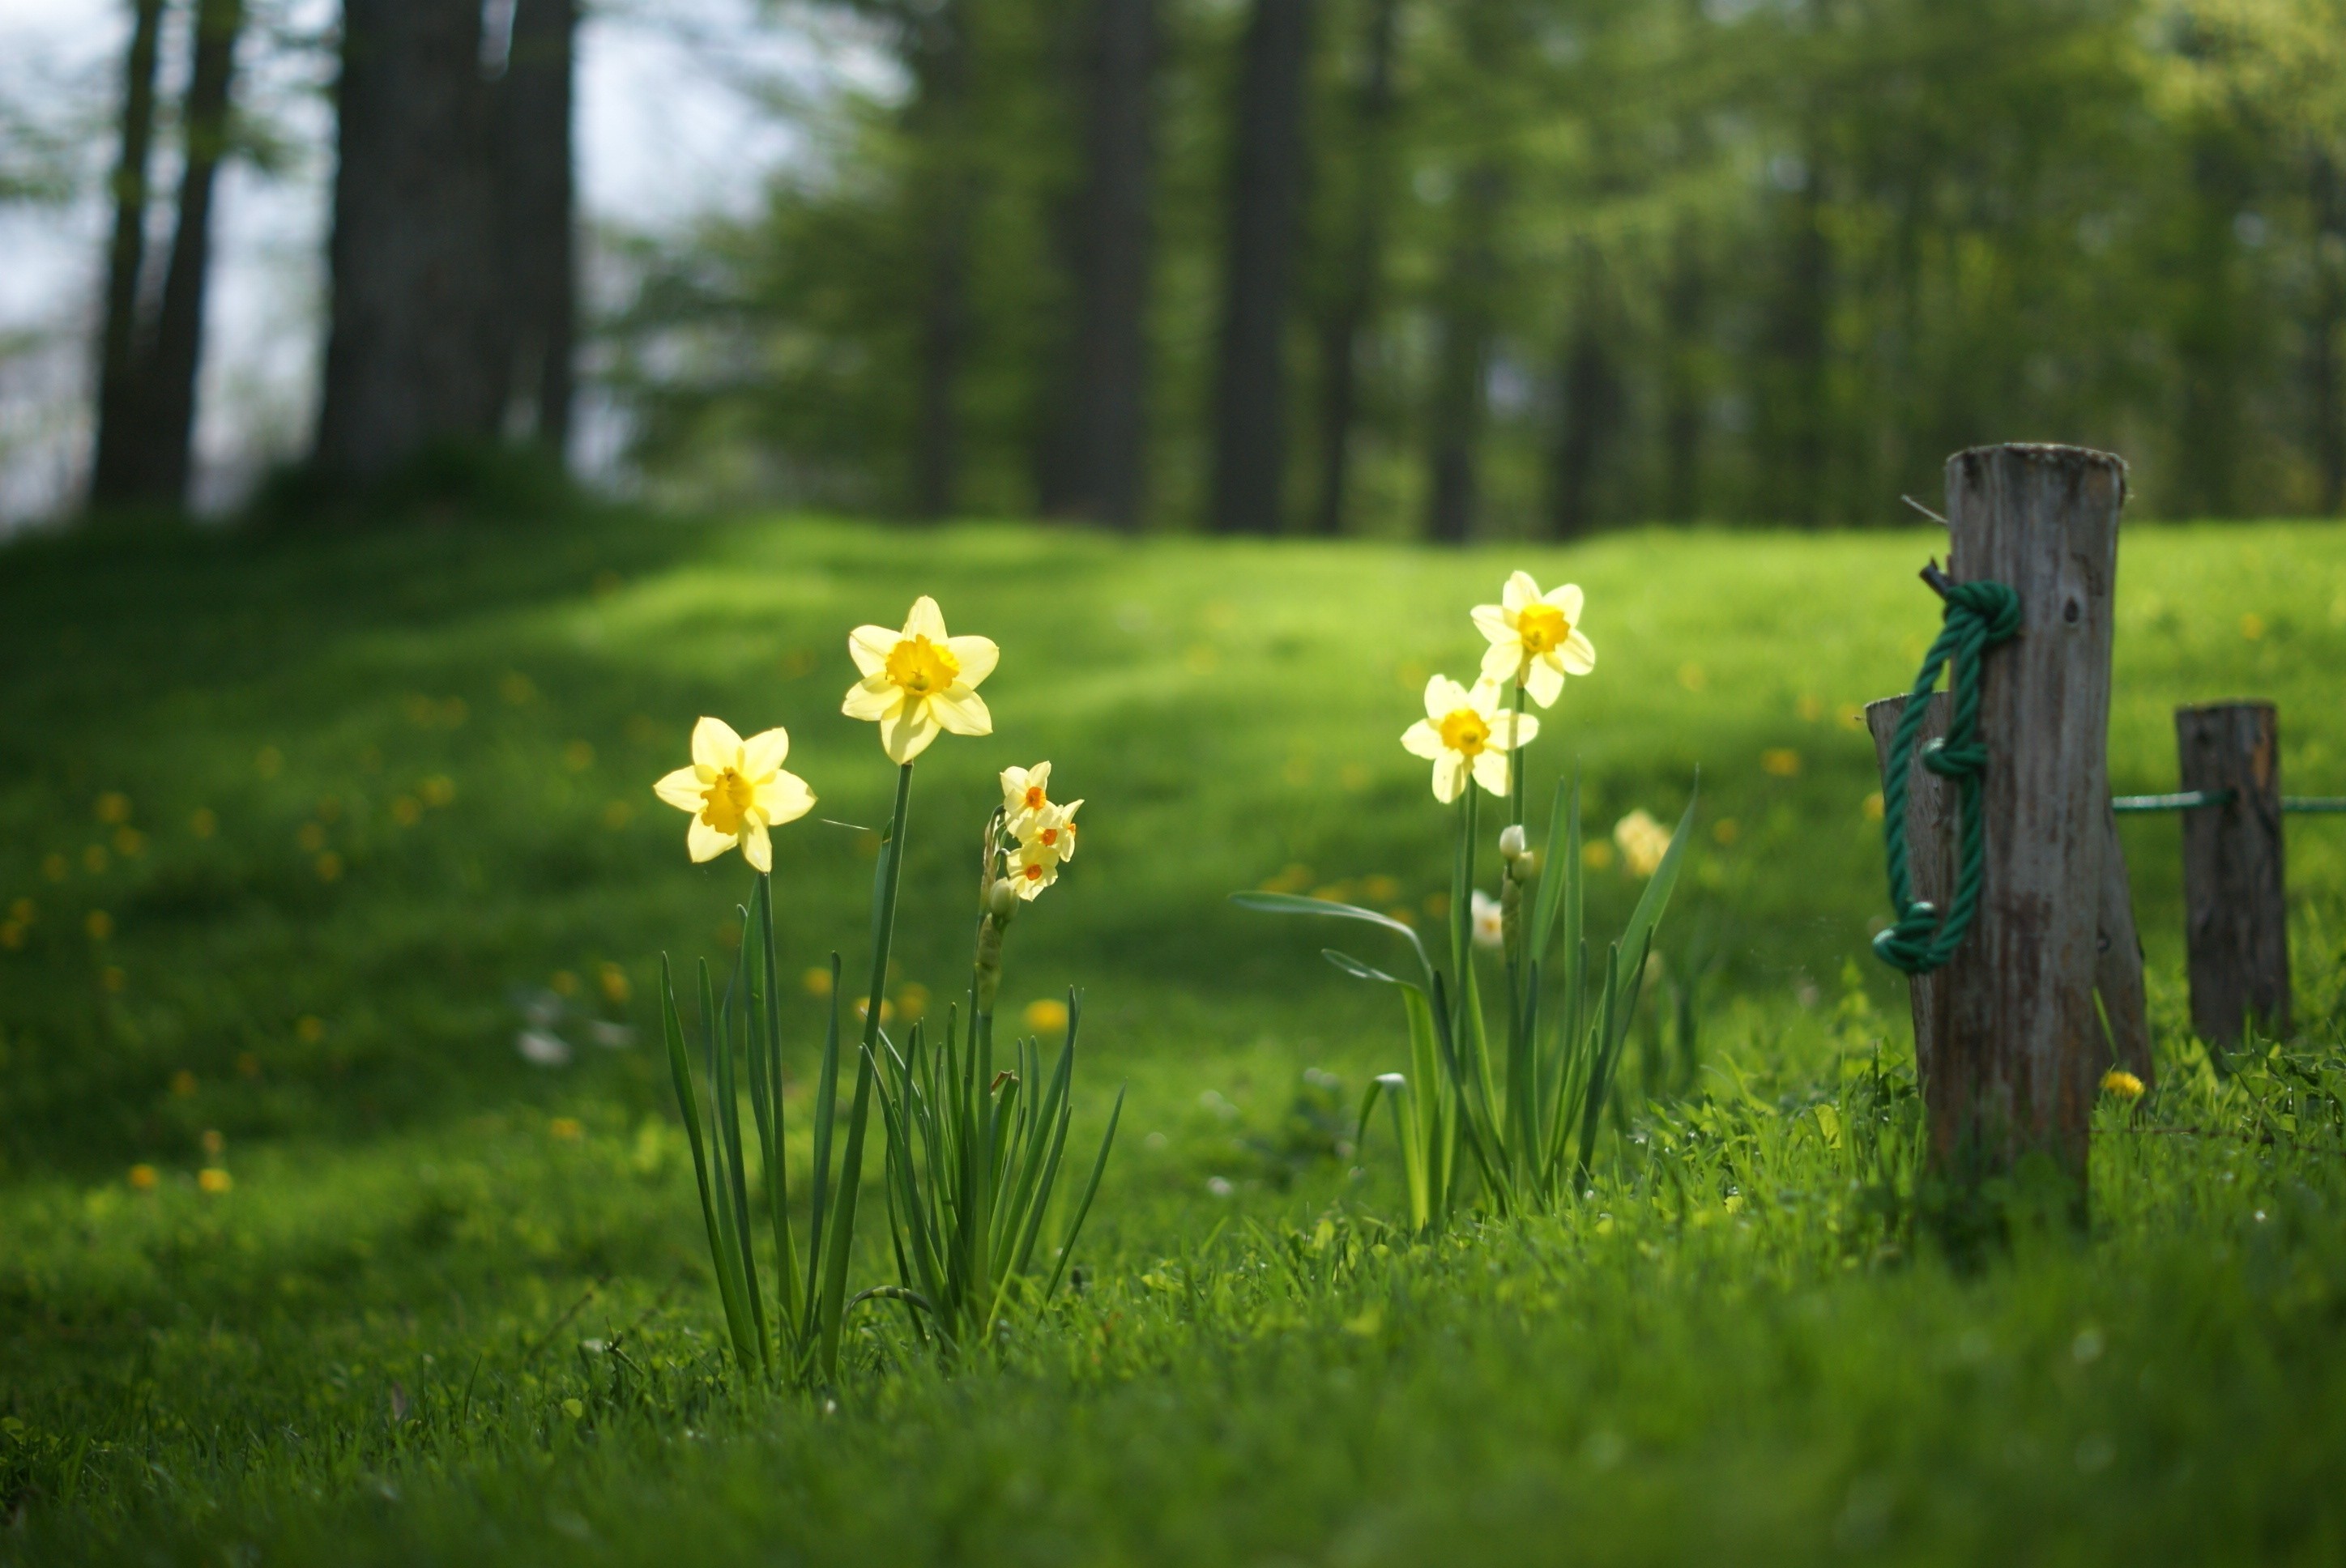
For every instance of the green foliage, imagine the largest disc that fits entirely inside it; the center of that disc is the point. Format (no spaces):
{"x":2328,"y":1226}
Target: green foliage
{"x":1765,"y":261}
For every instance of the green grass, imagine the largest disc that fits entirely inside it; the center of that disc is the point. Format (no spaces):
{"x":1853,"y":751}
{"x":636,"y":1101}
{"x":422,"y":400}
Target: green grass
{"x":426,"y":1324}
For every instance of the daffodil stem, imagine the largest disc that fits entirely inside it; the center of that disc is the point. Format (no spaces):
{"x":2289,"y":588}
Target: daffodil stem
{"x":1461,"y":909}
{"x":851,"y":1167}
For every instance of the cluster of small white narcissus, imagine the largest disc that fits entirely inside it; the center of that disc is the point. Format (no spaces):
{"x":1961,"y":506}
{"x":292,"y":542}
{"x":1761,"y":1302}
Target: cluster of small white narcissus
{"x":1041,"y":830}
{"x":915,"y":683}
{"x":1535,"y":641}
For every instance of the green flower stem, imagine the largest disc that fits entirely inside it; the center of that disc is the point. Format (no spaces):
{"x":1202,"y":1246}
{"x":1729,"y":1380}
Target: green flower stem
{"x":851,"y":1169}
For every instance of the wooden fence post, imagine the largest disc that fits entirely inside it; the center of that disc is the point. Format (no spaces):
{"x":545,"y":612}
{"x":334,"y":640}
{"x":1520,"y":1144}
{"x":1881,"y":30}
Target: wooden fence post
{"x":2017,"y":1064}
{"x":1931,"y":826}
{"x":2235,"y":918}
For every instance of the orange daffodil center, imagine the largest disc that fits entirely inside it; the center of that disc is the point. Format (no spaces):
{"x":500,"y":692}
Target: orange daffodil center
{"x":1463,"y":733}
{"x":1535,"y":638}
{"x":735,"y":791}
{"x":919,"y":681}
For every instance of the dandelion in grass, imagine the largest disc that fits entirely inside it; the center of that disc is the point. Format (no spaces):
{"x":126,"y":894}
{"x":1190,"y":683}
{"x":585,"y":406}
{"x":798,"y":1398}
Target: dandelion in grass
{"x":919,"y":681}
{"x":1464,"y":732}
{"x":1643,"y":843}
{"x":1535,"y":637}
{"x":734,"y":789}
{"x":2120,"y":1085}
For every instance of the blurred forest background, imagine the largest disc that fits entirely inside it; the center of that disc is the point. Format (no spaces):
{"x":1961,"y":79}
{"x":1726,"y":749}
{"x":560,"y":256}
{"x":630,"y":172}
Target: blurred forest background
{"x":1432,"y":268}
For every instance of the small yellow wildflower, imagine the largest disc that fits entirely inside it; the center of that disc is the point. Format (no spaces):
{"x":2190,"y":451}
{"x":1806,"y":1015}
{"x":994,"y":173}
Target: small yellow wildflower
{"x":918,"y":681}
{"x":1046,"y":1015}
{"x":143,"y":1177}
{"x":734,"y":789}
{"x":214,"y":1180}
{"x":1535,"y":637}
{"x":1781,"y":763}
{"x":98,"y":925}
{"x":1464,"y":732}
{"x":569,"y":1129}
{"x":911,"y":1000}
{"x":213,"y":1142}
{"x":817,"y":981}
{"x":2119,"y":1084}
{"x":1643,"y":843}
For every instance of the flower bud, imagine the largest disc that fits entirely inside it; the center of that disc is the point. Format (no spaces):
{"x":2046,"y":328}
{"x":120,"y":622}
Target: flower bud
{"x":1512,"y":841}
{"x":1002,"y":901}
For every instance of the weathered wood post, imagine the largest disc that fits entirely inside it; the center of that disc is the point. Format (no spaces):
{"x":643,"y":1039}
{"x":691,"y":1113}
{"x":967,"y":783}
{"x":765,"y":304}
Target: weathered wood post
{"x":2015,"y":1050}
{"x":1931,"y":837}
{"x":2236,"y":916}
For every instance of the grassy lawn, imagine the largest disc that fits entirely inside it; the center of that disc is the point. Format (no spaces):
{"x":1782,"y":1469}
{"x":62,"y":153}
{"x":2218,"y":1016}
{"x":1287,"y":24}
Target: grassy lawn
{"x":297,"y":831}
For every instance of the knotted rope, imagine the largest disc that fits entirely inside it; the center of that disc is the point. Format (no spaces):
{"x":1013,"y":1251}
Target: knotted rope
{"x":1979,"y":616}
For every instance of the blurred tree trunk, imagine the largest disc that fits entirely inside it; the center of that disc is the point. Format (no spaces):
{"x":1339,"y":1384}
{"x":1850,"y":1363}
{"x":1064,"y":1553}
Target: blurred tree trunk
{"x":168,"y":380}
{"x":1468,"y":305}
{"x":2321,"y":333}
{"x":534,"y":335}
{"x":1684,"y":300}
{"x":939,"y":48}
{"x":1265,"y":197}
{"x":1361,"y":271}
{"x":1589,"y":401}
{"x":416,"y":275}
{"x":1462,"y":362}
{"x":113,"y":462}
{"x":1098,"y":433}
{"x":1789,"y":423}
{"x":2214,"y":332}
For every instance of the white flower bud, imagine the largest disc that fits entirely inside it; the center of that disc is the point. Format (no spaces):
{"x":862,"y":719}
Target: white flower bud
{"x":1512,"y":841}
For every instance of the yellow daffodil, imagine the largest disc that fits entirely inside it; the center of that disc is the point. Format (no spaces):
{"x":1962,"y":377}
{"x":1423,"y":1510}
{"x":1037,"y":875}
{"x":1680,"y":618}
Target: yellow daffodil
{"x":1051,"y":830}
{"x":734,"y":789}
{"x":918,"y":681}
{"x":1025,"y":791}
{"x":1535,"y":637}
{"x":1032,"y":868}
{"x":1464,"y":732}
{"x":1643,"y":842}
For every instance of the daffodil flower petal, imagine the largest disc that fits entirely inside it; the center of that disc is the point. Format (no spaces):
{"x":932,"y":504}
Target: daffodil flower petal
{"x":715,"y":744}
{"x":1420,"y":739}
{"x":682,"y":788}
{"x":1520,"y":591}
{"x":1443,"y":696}
{"x":1578,"y":655}
{"x":977,"y":656}
{"x":868,"y":646}
{"x":926,"y":620}
{"x":763,"y":754}
{"x":1544,"y":678}
{"x":784,"y":798}
{"x":872,"y":697}
{"x":1491,"y":771}
{"x":962,"y":710}
{"x":906,"y":733}
{"x":1449,"y":776}
{"x":1567,"y":599}
{"x":705,"y":842}
{"x":756,"y":847}
{"x":1492,"y":623}
{"x":1501,"y":661}
{"x":1507,"y":732}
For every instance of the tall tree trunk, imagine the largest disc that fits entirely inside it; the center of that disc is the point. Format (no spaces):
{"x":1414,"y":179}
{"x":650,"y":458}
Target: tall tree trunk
{"x":1265,"y":196}
{"x":1100,"y":453}
{"x":2213,"y":337}
{"x":534,"y":335}
{"x":1468,"y":304}
{"x":1684,"y":298}
{"x":939,"y":48}
{"x":1461,"y":365}
{"x":416,"y":280}
{"x":2328,"y":432}
{"x":1589,"y":384}
{"x":1363,"y":272}
{"x":170,"y":377}
{"x":112,"y":461}
{"x":1791,"y":415}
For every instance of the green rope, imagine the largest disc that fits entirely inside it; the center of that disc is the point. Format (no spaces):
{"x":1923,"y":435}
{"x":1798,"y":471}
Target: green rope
{"x":1979,"y":616}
